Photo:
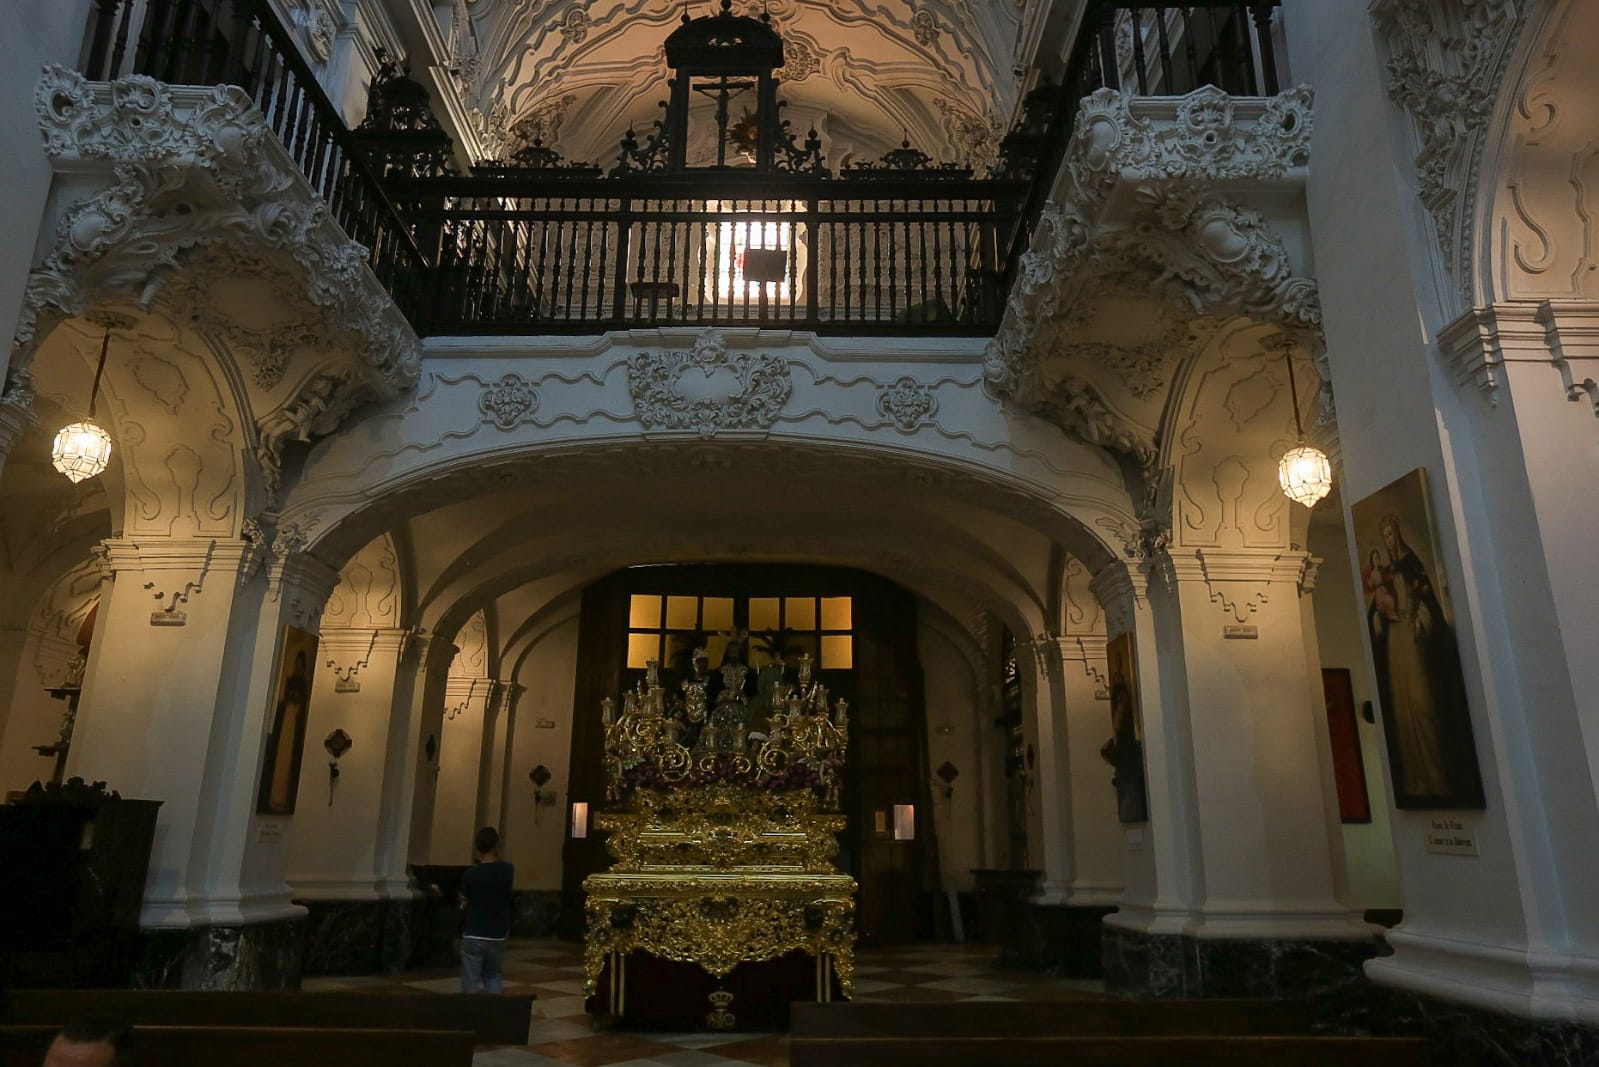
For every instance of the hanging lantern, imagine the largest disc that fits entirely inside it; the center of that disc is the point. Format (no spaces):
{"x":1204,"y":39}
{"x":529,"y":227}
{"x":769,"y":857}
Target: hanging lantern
{"x":83,"y":449}
{"x":1304,"y":473}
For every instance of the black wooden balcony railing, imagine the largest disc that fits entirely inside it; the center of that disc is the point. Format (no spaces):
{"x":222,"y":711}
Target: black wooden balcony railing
{"x":526,"y":250}
{"x":787,"y":251}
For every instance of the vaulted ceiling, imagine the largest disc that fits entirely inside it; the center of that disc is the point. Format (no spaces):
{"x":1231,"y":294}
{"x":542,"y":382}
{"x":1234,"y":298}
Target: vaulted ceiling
{"x":866,"y":73}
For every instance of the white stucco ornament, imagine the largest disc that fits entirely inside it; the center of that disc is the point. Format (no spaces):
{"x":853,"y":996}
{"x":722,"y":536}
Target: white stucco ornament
{"x":708,"y":390}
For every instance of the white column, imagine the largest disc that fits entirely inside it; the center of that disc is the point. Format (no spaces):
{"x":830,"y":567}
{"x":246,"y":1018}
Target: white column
{"x":1526,"y":619}
{"x":410,"y":779}
{"x":1159,"y":862}
{"x":1050,"y":794}
{"x":501,"y":813}
{"x":468,"y":702}
{"x":1096,"y":839}
{"x":1234,"y":757}
{"x":175,"y":708}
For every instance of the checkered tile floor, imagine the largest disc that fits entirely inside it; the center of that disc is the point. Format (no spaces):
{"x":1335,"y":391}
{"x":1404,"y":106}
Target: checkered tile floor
{"x":562,"y":1037}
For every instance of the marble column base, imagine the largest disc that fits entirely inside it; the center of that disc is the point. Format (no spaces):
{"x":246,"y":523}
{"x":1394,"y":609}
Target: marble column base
{"x":1472,"y":1037}
{"x":535,"y":912}
{"x":266,"y":955}
{"x":1059,"y":939}
{"x":1327,"y":973}
{"x":357,"y":936}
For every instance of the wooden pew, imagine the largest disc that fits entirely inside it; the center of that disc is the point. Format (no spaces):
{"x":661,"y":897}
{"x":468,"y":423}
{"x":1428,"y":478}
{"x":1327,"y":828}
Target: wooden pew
{"x":1083,"y":1018}
{"x":1123,"y":1033}
{"x":257,"y":1046}
{"x":1216,"y":1050}
{"x":492,"y":1020}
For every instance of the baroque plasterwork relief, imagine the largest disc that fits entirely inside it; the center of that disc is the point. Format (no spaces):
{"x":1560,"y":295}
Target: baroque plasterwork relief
{"x":1082,"y":611}
{"x":509,"y":402}
{"x":368,"y":593}
{"x":194,"y":179}
{"x":708,"y":390}
{"x":59,"y":617}
{"x":907,"y":403}
{"x":878,"y":66}
{"x":1446,"y":62}
{"x":472,"y":661}
{"x":1541,"y":229}
{"x":1138,"y":225}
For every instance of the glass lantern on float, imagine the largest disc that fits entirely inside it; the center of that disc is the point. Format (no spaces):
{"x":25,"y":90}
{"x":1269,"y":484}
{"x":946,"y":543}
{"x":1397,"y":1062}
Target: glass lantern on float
{"x":1304,"y":471}
{"x":83,"y":450}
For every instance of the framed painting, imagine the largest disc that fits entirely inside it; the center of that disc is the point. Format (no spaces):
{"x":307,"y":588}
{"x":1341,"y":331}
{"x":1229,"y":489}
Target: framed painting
{"x":1343,"y":730}
{"x":1125,"y":749}
{"x":291,"y":709}
{"x":1410,"y":627}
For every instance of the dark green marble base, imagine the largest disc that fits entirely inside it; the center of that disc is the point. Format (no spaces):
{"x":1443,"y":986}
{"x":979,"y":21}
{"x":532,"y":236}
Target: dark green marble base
{"x":357,"y":936}
{"x":535,"y":912}
{"x":1058,"y":939}
{"x":1177,"y":966}
{"x":265,"y":955}
{"x":1471,"y":1037}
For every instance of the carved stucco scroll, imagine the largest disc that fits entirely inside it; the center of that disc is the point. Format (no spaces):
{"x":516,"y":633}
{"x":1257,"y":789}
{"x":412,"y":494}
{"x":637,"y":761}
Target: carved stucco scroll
{"x":1138,"y":202}
{"x":708,"y":390}
{"x":1446,"y":62}
{"x":194,"y":177}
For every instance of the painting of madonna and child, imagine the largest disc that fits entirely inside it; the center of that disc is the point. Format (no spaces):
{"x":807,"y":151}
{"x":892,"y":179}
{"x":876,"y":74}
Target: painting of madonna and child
{"x":1410,"y":624}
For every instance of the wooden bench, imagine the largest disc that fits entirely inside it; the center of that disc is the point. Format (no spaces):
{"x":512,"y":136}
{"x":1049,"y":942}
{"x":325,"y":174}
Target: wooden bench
{"x":1068,"y":1018}
{"x":263,"y":1046}
{"x":1123,"y":1033}
{"x":1209,"y":1051}
{"x":492,"y":1020}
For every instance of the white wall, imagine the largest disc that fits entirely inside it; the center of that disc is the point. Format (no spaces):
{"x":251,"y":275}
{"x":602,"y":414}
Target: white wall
{"x":1371,"y":872}
{"x":1394,"y":401}
{"x":948,"y":685}
{"x":34,"y":34}
{"x":548,"y":673}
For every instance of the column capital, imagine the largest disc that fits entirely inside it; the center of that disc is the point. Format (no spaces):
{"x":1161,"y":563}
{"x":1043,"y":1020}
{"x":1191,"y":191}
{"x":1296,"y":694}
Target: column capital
{"x":428,"y":650}
{"x":1047,"y":653}
{"x":1083,"y":648}
{"x":506,"y":694}
{"x":1483,"y":343}
{"x":178,"y":569}
{"x":348,"y":650}
{"x":462,"y":694}
{"x":1120,"y":588}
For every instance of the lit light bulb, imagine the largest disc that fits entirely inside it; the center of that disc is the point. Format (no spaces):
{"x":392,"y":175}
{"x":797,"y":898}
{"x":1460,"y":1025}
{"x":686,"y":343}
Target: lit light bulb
{"x":81,"y":451}
{"x":1305,"y":474}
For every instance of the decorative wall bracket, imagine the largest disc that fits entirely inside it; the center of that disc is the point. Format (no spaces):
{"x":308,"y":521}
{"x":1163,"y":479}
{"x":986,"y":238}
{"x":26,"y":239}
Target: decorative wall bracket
{"x":193,"y":177}
{"x":1137,"y":210}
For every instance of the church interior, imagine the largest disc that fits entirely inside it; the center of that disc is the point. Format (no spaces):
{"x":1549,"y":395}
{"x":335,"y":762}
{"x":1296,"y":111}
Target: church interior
{"x":932,"y":531}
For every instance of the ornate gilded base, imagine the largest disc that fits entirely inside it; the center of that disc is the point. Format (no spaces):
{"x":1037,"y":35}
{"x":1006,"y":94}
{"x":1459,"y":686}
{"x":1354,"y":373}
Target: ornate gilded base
{"x":719,"y":875}
{"x":719,"y":920}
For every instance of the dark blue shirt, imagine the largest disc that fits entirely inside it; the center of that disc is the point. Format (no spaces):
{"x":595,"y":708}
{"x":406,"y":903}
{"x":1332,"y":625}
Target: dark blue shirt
{"x":487,"y":890}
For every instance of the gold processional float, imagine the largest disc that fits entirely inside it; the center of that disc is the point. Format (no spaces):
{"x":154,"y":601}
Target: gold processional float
{"x":722,"y":820}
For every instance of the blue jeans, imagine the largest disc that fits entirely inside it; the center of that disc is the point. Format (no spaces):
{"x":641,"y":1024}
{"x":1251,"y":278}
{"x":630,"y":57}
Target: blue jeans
{"x":482,"y":965}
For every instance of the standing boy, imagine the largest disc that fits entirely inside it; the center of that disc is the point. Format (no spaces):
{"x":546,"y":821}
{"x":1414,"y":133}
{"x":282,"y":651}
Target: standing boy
{"x":486,"y":899}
